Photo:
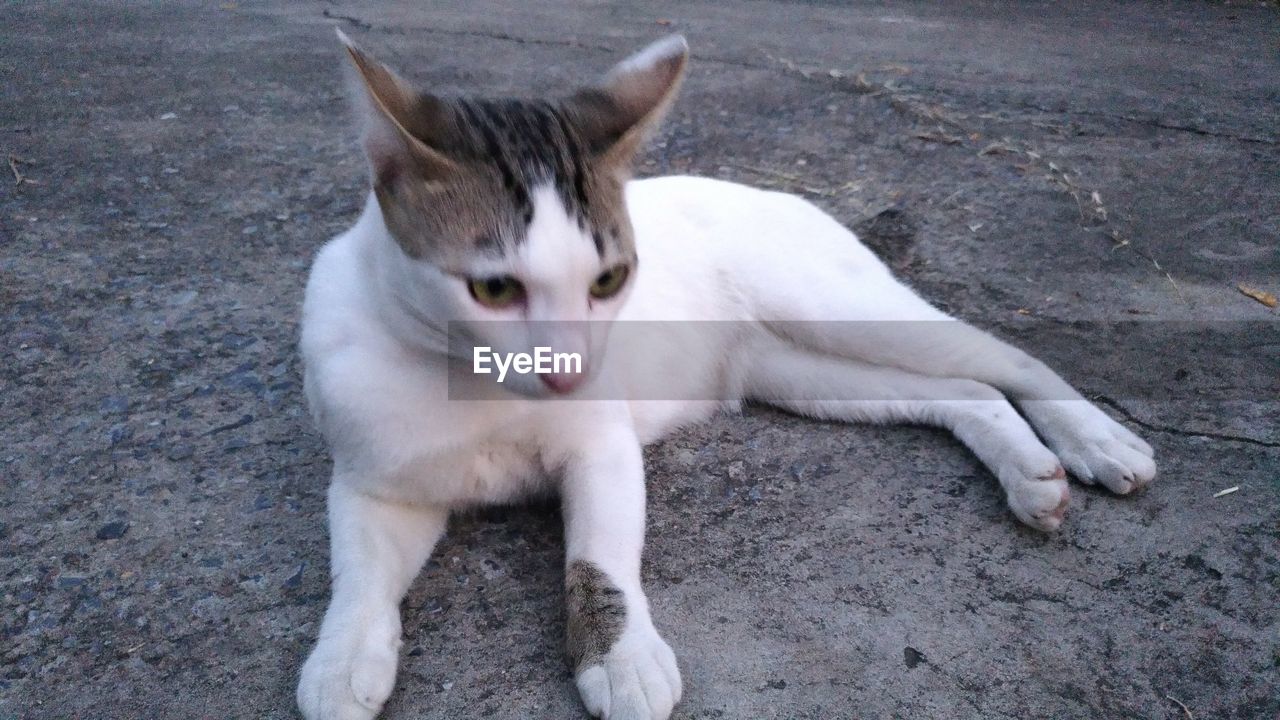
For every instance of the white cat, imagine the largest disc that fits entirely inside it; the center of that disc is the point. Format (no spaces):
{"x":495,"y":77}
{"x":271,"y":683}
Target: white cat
{"x":513,"y":224}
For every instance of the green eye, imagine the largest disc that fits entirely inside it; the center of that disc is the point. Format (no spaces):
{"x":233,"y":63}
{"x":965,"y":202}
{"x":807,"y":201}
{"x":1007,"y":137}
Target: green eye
{"x":496,"y":292}
{"x":610,"y":282}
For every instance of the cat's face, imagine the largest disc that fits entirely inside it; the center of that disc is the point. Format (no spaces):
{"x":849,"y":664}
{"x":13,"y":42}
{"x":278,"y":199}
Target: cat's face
{"x":510,"y":214}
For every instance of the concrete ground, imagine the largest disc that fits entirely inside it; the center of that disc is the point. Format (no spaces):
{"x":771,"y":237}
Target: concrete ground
{"x":1090,"y":180}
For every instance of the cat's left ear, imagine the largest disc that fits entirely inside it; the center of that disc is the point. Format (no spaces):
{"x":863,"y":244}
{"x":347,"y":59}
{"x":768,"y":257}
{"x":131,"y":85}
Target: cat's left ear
{"x":398,"y":124}
{"x":617,"y":116}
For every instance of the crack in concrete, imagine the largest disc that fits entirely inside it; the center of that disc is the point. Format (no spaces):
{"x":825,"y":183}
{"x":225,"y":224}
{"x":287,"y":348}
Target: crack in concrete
{"x":1202,"y":434}
{"x":357,"y":22}
{"x":513,"y":38}
{"x":364,"y":25}
{"x":859,"y":83}
{"x":1153,"y":122}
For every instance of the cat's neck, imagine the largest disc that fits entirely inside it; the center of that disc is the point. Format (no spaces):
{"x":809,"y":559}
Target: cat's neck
{"x":392,"y":298}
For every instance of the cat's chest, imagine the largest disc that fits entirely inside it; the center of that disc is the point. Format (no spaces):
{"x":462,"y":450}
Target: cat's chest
{"x":484,"y":471}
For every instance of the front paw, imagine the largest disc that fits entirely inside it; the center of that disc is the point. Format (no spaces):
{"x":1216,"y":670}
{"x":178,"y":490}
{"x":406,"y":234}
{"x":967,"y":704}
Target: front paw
{"x":637,"y":679}
{"x":348,"y":676}
{"x":1093,"y":447}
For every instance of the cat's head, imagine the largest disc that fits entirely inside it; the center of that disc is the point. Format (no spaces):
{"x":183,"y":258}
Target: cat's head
{"x":509,"y":215}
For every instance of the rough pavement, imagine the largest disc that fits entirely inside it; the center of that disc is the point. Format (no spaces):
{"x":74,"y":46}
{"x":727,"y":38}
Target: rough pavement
{"x":1043,"y":169}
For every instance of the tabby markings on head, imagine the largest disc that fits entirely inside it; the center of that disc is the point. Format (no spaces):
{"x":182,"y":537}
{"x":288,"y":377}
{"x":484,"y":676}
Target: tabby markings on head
{"x":454,"y":176}
{"x":533,"y":142}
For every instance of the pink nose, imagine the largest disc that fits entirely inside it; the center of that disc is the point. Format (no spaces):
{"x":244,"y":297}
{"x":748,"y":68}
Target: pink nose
{"x":562,"y":383}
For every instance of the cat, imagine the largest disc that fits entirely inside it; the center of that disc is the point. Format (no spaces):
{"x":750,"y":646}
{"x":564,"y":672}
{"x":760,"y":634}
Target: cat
{"x":515,"y":224}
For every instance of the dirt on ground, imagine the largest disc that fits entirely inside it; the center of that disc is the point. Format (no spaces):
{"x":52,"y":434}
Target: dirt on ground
{"x":1096,"y":182}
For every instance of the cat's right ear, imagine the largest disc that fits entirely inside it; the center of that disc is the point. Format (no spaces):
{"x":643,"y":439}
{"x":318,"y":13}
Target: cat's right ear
{"x":393,"y":120}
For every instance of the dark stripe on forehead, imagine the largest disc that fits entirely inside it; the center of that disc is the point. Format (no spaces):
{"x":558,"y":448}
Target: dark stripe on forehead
{"x":527,"y":143}
{"x":573,"y":171}
{"x":548,"y":134}
{"x":492,"y":146}
{"x":482,"y":120}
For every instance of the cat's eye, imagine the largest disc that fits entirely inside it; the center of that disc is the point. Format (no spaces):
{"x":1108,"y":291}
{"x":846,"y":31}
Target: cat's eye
{"x":496,"y":292}
{"x":610,"y":282}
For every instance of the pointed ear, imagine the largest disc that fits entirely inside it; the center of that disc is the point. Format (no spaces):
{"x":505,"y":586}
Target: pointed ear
{"x":617,"y":116}
{"x":395,"y":120}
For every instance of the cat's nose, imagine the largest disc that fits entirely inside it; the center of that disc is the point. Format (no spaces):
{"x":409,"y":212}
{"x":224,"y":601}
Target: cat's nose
{"x":562,"y":383}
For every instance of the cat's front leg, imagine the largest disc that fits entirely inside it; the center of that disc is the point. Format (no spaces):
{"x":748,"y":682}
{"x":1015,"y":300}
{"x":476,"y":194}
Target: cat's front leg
{"x":623,"y":668}
{"x":376,"y":549}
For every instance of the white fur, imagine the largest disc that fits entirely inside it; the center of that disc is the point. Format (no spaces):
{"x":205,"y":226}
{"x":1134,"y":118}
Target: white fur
{"x":670,"y":47}
{"x":405,"y":455}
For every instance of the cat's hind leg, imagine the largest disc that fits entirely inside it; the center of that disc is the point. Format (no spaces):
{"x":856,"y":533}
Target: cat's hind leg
{"x":376,"y":549}
{"x":834,"y":388}
{"x":858,"y":310}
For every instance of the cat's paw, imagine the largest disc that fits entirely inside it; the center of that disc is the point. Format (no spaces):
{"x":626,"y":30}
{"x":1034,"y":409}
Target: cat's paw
{"x":636,"y":680}
{"x":347,"y":677}
{"x":1093,"y":447}
{"x":1038,"y":498}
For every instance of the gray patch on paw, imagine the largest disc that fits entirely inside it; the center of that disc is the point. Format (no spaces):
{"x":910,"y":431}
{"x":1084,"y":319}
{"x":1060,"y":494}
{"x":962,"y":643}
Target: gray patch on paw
{"x":597,"y":614}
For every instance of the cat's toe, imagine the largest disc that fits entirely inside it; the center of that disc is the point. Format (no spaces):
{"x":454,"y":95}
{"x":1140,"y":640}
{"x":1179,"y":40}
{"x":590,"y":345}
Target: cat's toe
{"x":373,"y":676}
{"x":1116,"y":465}
{"x":1040,"y":501}
{"x":346,"y":681}
{"x":1093,"y":447}
{"x":637,"y":680}
{"x":1129,"y":438}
